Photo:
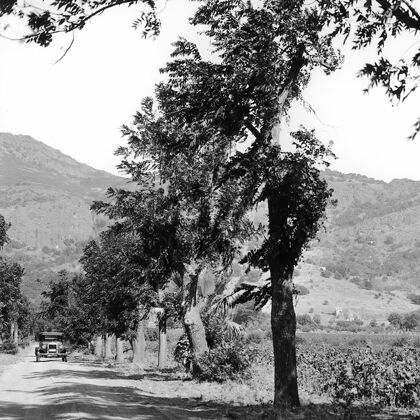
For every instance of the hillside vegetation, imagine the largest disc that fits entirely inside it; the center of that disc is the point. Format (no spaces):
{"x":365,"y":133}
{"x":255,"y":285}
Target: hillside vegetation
{"x":46,"y":195}
{"x":365,"y":262}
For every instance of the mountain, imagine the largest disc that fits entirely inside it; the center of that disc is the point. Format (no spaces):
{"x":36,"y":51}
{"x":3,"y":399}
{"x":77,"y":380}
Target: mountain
{"x":46,"y":196}
{"x":367,"y":261}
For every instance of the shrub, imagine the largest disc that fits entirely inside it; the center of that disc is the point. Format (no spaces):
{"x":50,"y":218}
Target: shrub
{"x":230,"y":360}
{"x":395,"y":319}
{"x":254,"y":336}
{"x":414,"y":298}
{"x":400,"y":342}
{"x":388,"y":377}
{"x":182,"y":353}
{"x":216,"y":330}
{"x":9,"y":347}
{"x":359,"y":342}
{"x":304,"y":319}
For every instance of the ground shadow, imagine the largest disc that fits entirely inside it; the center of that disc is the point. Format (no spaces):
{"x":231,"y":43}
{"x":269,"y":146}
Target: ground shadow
{"x":69,"y":395}
{"x":165,"y":375}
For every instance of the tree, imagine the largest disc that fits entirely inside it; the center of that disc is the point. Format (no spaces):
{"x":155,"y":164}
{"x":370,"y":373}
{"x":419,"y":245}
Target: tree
{"x":65,"y":307}
{"x":265,"y":56}
{"x":186,"y":220}
{"x":3,"y":231}
{"x":66,"y":16}
{"x":377,"y":22}
{"x":395,"y":319}
{"x":14,"y":307}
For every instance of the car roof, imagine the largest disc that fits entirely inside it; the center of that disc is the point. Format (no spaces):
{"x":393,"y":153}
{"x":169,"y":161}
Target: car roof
{"x":51,"y":333}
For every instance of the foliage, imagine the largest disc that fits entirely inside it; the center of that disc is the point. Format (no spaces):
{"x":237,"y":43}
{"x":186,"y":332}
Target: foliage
{"x":65,"y":307}
{"x":406,"y":321}
{"x":229,"y":360}
{"x":4,"y":226}
{"x":9,"y":347}
{"x":182,"y":353}
{"x":415,"y":298}
{"x":14,"y":306}
{"x":389,"y":377}
{"x":377,"y":22}
{"x":65,"y":16}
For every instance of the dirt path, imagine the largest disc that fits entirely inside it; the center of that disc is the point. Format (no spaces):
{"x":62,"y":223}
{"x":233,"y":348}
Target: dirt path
{"x":52,"y":389}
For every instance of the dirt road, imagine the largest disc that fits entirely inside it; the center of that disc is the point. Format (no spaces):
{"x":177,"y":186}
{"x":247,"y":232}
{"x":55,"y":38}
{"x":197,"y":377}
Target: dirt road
{"x":52,"y":389}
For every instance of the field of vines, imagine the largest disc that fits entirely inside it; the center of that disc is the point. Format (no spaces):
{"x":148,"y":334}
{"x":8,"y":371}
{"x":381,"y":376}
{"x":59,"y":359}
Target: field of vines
{"x":388,"y":377}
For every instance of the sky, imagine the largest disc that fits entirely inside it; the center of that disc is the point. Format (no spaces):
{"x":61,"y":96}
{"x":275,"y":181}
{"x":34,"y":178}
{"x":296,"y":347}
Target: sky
{"x":79,"y":104}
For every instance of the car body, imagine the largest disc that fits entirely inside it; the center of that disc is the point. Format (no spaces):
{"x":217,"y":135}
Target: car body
{"x":51,"y":346}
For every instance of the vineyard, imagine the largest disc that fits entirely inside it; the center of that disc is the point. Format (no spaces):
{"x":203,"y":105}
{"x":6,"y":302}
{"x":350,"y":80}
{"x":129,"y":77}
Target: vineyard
{"x":389,"y":377}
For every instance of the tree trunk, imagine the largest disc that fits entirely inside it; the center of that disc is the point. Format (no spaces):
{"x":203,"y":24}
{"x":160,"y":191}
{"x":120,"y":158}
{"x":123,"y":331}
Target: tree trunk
{"x":119,"y":350}
{"x":16,"y":333}
{"x":12,"y":330}
{"x":108,"y":347}
{"x":98,"y":349}
{"x":162,"y":342}
{"x":283,"y":318}
{"x":193,"y":324}
{"x":139,"y":342}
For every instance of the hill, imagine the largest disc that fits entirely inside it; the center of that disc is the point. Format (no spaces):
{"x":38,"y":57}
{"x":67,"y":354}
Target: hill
{"x":46,"y":195}
{"x":367,"y":261}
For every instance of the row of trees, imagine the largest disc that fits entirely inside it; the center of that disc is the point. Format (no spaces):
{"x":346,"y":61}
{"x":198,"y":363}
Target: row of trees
{"x":194,"y":190}
{"x":14,"y":306}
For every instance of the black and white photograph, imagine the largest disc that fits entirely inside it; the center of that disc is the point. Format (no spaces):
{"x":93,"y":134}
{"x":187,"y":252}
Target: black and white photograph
{"x":209,"y":209}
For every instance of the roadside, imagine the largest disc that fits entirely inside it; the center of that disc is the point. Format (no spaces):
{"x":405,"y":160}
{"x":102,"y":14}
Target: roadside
{"x":8,"y":360}
{"x":85,"y":388}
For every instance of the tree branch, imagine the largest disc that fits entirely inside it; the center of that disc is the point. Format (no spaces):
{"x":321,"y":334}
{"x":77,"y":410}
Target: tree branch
{"x":403,"y":15}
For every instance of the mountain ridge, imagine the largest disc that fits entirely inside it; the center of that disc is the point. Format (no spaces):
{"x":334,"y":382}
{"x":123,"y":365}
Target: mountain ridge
{"x":371,"y":244}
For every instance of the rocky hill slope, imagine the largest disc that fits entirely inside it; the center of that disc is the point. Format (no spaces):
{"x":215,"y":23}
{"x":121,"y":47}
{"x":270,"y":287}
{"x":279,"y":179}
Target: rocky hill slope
{"x":367,"y":260}
{"x":46,"y":195}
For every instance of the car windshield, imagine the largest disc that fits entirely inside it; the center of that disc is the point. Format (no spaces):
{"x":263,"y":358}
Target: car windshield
{"x":50,"y":338}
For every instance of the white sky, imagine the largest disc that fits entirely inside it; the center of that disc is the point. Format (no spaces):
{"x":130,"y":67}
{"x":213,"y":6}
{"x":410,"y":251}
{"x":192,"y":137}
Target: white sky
{"x":78,"y":104}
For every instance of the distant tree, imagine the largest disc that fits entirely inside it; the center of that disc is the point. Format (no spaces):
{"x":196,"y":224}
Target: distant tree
{"x":3,"y":231}
{"x":395,"y":319}
{"x":411,"y":321}
{"x":14,"y":306}
{"x":65,"y":308}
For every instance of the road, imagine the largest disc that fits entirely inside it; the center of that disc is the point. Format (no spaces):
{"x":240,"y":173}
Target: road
{"x":52,"y":389}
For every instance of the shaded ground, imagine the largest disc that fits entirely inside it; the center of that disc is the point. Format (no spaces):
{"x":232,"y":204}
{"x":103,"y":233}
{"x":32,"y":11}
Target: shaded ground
{"x":54,"y":389}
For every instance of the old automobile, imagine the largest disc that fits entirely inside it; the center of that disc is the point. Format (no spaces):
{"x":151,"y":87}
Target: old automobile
{"x":51,"y":345}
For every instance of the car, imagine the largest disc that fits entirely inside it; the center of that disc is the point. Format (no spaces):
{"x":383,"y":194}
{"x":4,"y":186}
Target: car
{"x":51,"y":345}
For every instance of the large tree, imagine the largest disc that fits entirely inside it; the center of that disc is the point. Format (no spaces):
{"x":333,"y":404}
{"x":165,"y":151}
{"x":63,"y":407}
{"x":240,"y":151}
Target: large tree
{"x":182,"y":214}
{"x":265,"y":55}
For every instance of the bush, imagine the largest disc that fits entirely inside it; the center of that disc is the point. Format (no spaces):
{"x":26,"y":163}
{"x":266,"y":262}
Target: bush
{"x":414,"y":298}
{"x":388,"y":377}
{"x":216,"y":330}
{"x":400,"y":342}
{"x":230,"y":360}
{"x":182,"y":353}
{"x":254,"y":336}
{"x":9,"y":347}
